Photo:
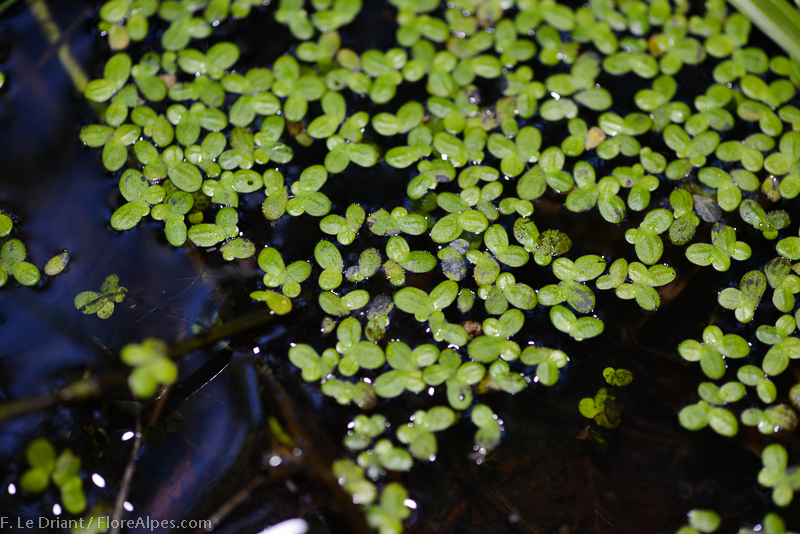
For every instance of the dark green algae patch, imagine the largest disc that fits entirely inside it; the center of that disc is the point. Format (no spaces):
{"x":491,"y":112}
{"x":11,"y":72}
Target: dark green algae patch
{"x":437,"y":240}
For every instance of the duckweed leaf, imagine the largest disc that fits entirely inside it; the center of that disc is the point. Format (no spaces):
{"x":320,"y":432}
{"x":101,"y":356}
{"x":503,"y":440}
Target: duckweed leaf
{"x":724,"y":247}
{"x":152,"y":366}
{"x":767,"y":223}
{"x":778,"y":356}
{"x":746,"y":298}
{"x":344,"y":228}
{"x":649,"y":246}
{"x":578,"y":329}
{"x":602,"y":408}
{"x":329,"y":258}
{"x":56,"y":264}
{"x":416,"y":261}
{"x":617,"y":377}
{"x":700,"y":415}
{"x":776,"y":475}
{"x":238,"y":249}
{"x":547,"y":362}
{"x":710,"y":353}
{"x":422,"y":305}
{"x":102,"y":303}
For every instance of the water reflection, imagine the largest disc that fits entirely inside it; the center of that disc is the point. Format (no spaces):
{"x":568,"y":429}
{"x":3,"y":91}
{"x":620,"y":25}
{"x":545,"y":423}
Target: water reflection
{"x":61,"y":198}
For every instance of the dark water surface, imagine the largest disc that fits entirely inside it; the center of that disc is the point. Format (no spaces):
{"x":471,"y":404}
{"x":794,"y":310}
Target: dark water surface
{"x":61,"y":198}
{"x":542,"y":479}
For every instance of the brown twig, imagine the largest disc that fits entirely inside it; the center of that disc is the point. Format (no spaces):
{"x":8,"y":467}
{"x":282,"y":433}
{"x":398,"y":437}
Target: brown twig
{"x":317,"y":468}
{"x":94,"y":387}
{"x":127,"y":478}
{"x":241,"y":496}
{"x":53,"y":35}
{"x":79,"y":391}
{"x":228,"y":330}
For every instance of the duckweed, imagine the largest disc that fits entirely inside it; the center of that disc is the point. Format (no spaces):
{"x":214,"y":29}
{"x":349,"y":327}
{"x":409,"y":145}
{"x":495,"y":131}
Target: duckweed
{"x":191,"y":136}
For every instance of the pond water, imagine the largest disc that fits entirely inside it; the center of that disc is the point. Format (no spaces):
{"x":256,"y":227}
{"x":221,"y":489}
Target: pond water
{"x":545,"y":477}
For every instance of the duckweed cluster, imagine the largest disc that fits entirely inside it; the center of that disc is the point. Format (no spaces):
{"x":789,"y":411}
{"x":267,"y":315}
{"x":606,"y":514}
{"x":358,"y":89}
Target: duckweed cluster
{"x":512,"y":104}
{"x":63,"y":470}
{"x":13,"y":254}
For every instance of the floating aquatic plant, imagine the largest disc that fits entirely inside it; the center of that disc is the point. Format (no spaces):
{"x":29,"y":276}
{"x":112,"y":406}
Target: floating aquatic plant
{"x":194,"y":140}
{"x":63,"y":470}
{"x":102,"y":303}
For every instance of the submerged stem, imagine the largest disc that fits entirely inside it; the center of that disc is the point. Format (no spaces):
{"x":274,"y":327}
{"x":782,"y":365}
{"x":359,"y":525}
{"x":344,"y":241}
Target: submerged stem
{"x":81,"y":390}
{"x":52,"y":33}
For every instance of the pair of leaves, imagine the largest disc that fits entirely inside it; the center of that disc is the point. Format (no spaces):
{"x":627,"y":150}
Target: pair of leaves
{"x":418,"y":434}
{"x":785,"y":284}
{"x":723,"y":247}
{"x":342,"y":154}
{"x":277,"y":302}
{"x":333,"y":304}
{"x":384,"y":455}
{"x":422,"y":305}
{"x":344,"y":228}
{"x":330,"y":259}
{"x":173,"y":211}
{"x":12,"y":256}
{"x":307,"y":198}
{"x":643,"y":281}
{"x":750,"y":375}
{"x":450,"y":227}
{"x":571,"y":288}
{"x":399,"y":220}
{"x":648,"y":244}
{"x":90,"y":302}
{"x":702,"y":414}
{"x":603,"y":194}
{"x":489,"y":426}
{"x":115,"y":142}
{"x":277,"y":274}
{"x":416,"y":261}
{"x":547,"y":362}
{"x":768,"y":223}
{"x":313,"y":366}
{"x":226,"y":190}
{"x":140,"y":194}
{"x":578,"y":329}
{"x":715,"y":347}
{"x":211,"y":234}
{"x":214,"y":63}
{"x":405,"y":373}
{"x":496,"y":240}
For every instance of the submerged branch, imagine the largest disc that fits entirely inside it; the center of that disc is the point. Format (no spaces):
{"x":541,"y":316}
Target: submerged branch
{"x":53,"y":35}
{"x":222,"y":332}
{"x":318,"y":469}
{"x":127,"y":478}
{"x":79,"y":391}
{"x":95,"y":386}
